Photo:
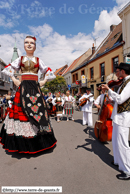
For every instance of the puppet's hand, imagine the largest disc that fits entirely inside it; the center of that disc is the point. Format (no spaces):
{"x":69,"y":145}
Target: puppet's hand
{"x":42,"y":83}
{"x":16,"y":81}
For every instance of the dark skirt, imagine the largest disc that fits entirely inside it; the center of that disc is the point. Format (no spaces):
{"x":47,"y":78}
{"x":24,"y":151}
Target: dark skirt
{"x":27,"y":127}
{"x":59,"y":109}
{"x":51,"y":109}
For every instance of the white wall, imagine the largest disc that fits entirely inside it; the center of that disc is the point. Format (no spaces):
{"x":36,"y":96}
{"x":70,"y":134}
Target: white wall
{"x":124,"y":14}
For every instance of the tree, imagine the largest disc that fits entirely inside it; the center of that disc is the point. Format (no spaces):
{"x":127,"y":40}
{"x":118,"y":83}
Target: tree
{"x":58,"y":84}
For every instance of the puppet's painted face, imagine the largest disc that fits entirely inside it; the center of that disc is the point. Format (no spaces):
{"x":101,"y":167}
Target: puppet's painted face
{"x":29,"y":45}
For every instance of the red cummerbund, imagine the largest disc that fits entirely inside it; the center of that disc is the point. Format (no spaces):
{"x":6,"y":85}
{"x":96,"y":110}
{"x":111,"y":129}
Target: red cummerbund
{"x":29,"y":77}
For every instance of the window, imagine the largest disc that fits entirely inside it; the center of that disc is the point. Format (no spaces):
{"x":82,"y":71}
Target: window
{"x":73,"y":79}
{"x":106,"y":48}
{"x":102,"y":69}
{"x":76,"y":76}
{"x":115,"y":36}
{"x":82,"y":72}
{"x":2,"y":75}
{"x":105,"y":42}
{"x":92,"y":89}
{"x":91,"y":73}
{"x":115,"y":63}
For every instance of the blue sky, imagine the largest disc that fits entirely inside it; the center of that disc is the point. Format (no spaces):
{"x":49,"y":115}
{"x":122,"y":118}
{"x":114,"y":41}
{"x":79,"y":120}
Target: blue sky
{"x":66,"y":17}
{"x":64,"y":29}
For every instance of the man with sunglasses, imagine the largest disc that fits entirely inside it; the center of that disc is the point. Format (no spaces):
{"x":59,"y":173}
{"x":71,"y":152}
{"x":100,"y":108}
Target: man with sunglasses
{"x":121,"y":122}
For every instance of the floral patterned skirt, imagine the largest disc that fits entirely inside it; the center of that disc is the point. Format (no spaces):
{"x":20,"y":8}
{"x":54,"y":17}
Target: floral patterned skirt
{"x":27,"y":127}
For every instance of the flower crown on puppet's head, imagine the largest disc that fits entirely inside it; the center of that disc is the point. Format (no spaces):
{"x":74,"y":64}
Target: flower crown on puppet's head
{"x":33,"y":37}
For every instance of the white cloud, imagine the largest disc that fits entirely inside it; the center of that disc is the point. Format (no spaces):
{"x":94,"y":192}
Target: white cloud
{"x":7,"y":42}
{"x":36,"y":10}
{"x":10,"y":17}
{"x":54,"y":49}
{"x":59,"y":49}
{"x":35,"y":3}
{"x":6,"y":4}
{"x":41,"y":31}
{"x":5,"y":22}
{"x":122,"y":2}
{"x":106,"y":19}
{"x":102,"y":25}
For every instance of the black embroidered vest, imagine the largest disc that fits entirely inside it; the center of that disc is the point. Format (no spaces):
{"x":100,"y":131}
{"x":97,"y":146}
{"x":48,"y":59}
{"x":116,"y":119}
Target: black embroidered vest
{"x":126,"y":105}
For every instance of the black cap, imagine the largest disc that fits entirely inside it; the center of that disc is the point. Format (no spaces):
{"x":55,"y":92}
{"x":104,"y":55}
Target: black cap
{"x":124,"y":66}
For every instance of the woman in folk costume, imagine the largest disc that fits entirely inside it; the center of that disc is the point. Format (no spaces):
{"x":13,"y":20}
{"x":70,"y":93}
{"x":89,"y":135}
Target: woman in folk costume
{"x":27,"y":127}
{"x":68,"y":105}
{"x":63,"y":96}
{"x":49,"y":104}
{"x":58,"y":102}
{"x":8,"y":100}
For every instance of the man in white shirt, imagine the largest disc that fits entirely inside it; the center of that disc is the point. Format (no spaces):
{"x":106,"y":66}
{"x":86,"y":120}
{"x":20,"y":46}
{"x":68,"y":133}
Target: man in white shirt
{"x":87,"y":108}
{"x":121,"y":121}
{"x":99,"y":100}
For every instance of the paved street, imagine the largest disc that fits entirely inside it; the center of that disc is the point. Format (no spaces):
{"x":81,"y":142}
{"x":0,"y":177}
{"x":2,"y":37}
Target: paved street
{"x":79,"y":163}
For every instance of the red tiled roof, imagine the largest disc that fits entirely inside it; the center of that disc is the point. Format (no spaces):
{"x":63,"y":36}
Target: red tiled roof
{"x":72,"y":65}
{"x":57,"y":70}
{"x":110,"y":40}
{"x":60,"y":70}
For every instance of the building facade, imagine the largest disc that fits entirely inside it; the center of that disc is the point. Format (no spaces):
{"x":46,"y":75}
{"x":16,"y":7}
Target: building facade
{"x":102,"y":62}
{"x":76,"y":63}
{"x":124,"y":14}
{"x":4,"y":79}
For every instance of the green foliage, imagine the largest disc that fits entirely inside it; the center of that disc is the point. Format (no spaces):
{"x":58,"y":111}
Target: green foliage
{"x":56,"y":85}
{"x":44,"y":90}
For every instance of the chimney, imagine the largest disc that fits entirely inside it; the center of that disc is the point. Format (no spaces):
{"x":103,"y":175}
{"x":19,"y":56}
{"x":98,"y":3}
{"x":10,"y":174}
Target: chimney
{"x":112,"y":27}
{"x":93,"y":49}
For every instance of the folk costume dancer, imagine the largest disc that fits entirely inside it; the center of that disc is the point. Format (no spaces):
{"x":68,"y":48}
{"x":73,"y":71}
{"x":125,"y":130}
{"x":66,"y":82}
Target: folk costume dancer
{"x":58,"y":102}
{"x":49,"y":103}
{"x":121,"y":122}
{"x":27,"y":127}
{"x":87,"y":108}
{"x":63,"y":96}
{"x":8,"y":100}
{"x":69,"y":105}
{"x":1,"y":109}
